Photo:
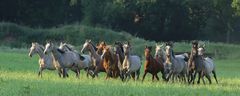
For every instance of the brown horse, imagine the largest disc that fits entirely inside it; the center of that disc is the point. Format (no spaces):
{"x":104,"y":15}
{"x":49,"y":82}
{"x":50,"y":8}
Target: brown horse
{"x":110,"y":62}
{"x":152,"y":65}
{"x":100,"y":47}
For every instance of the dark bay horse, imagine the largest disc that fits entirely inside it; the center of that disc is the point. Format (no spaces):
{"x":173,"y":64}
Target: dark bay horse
{"x":152,"y":65}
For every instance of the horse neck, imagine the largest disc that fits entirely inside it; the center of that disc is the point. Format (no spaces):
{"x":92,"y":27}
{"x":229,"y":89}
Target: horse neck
{"x":56,"y":53}
{"x":121,"y":55}
{"x":109,"y":57}
{"x":93,"y":51}
{"x":40,"y":52}
{"x":162,"y":55}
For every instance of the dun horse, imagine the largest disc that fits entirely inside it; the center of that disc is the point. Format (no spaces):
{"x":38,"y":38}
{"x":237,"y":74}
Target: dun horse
{"x":152,"y":65}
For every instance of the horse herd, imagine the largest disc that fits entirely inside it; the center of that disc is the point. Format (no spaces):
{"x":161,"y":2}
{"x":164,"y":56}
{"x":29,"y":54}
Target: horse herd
{"x":117,"y":61}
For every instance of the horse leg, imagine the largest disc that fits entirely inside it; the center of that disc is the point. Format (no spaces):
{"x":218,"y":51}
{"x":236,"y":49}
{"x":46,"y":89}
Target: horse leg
{"x":199,"y":76}
{"x":78,"y":73}
{"x":40,"y":72}
{"x":193,"y":78}
{"x":145,"y":73}
{"x":138,"y":73}
{"x":215,"y":76}
{"x":202,"y":76}
{"x":153,"y":77}
{"x":133,"y":75}
{"x":64,"y":72}
{"x":209,"y":78}
{"x":157,"y":77}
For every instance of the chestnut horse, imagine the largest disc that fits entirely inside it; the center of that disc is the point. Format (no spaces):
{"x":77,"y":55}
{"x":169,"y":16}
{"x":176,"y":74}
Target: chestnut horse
{"x":152,"y":65}
{"x":110,"y":62}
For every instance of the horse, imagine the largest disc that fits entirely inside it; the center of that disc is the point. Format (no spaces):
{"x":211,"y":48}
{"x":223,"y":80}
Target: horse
{"x":152,"y":65}
{"x":100,"y":47}
{"x":63,"y":59}
{"x":131,"y":64}
{"x":118,"y":48}
{"x":96,"y":58}
{"x":174,"y":66}
{"x":208,"y":66}
{"x":85,"y":60}
{"x":110,"y":62}
{"x":45,"y":61}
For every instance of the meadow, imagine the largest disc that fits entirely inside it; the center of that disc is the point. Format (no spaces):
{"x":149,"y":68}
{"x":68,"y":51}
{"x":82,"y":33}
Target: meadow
{"x":18,"y":77}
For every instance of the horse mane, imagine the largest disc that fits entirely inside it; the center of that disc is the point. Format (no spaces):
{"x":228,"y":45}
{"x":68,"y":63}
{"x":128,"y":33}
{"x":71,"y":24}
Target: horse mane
{"x":70,"y":47}
{"x":61,"y":51}
{"x":94,"y":47}
{"x":81,"y":57}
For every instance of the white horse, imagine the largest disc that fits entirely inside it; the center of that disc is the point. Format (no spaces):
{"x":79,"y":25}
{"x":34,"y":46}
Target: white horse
{"x":85,"y":60}
{"x":45,"y":61}
{"x":174,"y":64}
{"x":131,"y":64}
{"x":63,"y":59}
{"x":96,"y":58}
{"x":160,"y":55}
{"x":208,"y":66}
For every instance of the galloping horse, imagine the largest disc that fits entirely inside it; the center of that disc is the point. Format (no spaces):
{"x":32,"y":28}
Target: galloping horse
{"x":118,"y":48}
{"x":110,"y":62}
{"x":85,"y":60}
{"x":63,"y":59}
{"x":199,"y":64}
{"x":97,"y":61}
{"x":175,"y":66}
{"x":152,"y":65}
{"x":45,"y":61}
{"x":131,"y":64}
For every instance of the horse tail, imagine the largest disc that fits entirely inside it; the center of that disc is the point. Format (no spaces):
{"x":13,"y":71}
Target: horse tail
{"x":186,"y":57}
{"x":81,"y":57}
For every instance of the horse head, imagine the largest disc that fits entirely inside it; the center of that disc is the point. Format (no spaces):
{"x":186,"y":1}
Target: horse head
{"x":86,"y":45}
{"x":48,"y":47}
{"x":33,"y":49}
{"x":126,"y":48}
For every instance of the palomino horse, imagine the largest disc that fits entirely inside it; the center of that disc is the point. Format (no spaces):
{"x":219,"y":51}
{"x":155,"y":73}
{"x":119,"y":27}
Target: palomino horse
{"x":63,"y":59}
{"x":85,"y":60}
{"x":175,"y":66}
{"x":97,"y":61}
{"x":45,"y":61}
{"x":131,"y":64}
{"x":110,"y":62}
{"x":152,"y":65}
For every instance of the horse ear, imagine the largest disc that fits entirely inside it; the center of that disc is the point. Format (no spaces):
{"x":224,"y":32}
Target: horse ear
{"x":89,"y":41}
{"x":146,"y":46}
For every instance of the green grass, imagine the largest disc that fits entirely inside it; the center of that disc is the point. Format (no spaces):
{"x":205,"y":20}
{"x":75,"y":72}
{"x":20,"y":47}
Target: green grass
{"x":18,"y":77}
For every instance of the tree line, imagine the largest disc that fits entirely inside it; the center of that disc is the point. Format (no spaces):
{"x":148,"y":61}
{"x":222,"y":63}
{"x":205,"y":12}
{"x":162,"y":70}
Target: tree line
{"x":160,"y":20}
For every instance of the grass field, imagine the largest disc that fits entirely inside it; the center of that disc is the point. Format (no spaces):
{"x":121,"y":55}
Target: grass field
{"x":18,"y":77}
